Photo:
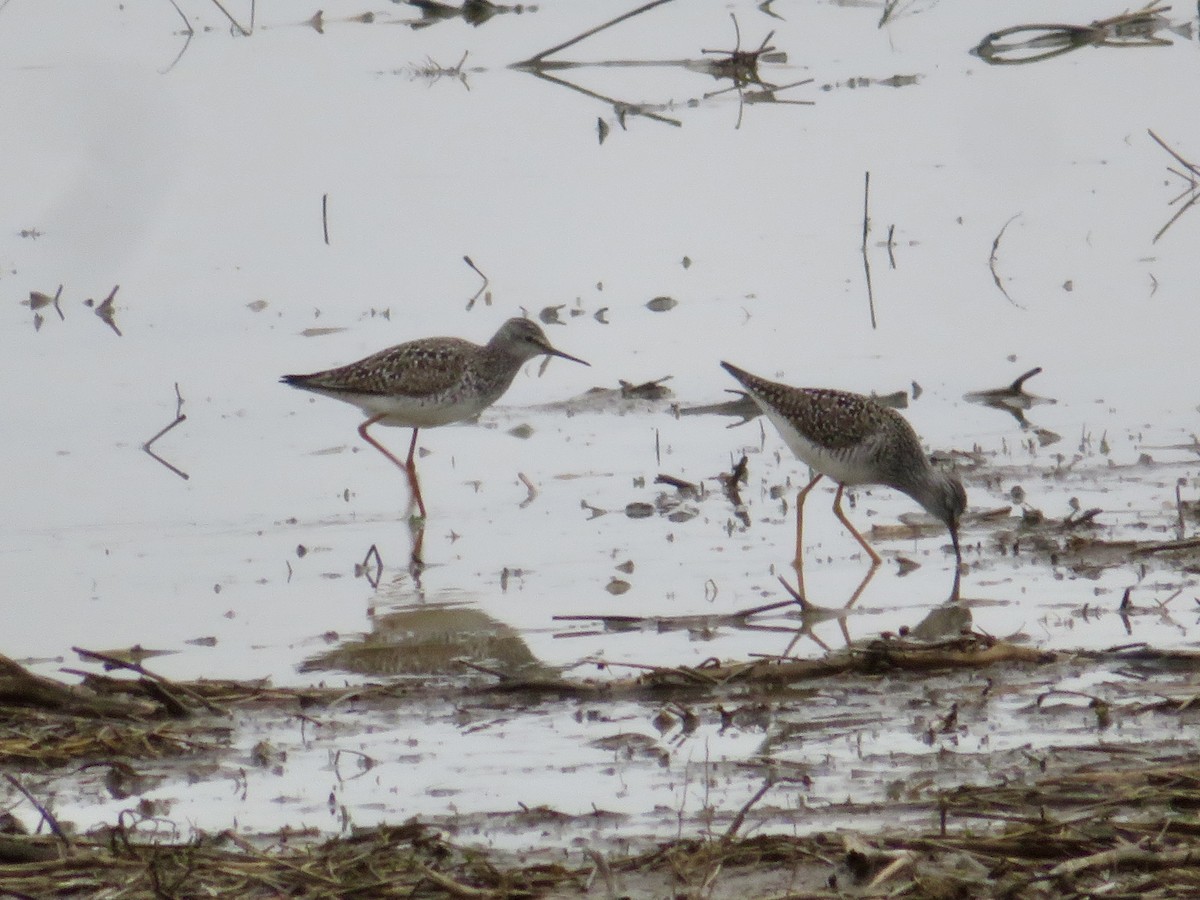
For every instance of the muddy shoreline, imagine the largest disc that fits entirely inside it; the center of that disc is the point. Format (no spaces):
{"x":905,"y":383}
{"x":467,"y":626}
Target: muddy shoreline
{"x":1032,"y":820}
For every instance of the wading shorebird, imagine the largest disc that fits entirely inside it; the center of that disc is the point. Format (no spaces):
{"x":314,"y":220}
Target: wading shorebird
{"x":854,"y":440}
{"x":430,"y":382}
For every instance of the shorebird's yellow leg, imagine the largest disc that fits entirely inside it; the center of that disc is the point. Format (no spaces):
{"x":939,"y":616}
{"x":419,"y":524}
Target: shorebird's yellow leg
{"x":798,"y":562}
{"x":416,"y":564}
{"x":409,"y":467}
{"x":876,"y":559}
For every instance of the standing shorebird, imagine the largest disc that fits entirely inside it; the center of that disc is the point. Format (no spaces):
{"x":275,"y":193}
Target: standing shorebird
{"x":429,"y":382}
{"x":855,"y":440}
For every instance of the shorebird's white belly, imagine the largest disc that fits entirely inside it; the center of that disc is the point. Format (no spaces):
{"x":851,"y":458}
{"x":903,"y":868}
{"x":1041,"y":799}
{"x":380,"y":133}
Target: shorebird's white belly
{"x":416,"y":412}
{"x":843,"y":468}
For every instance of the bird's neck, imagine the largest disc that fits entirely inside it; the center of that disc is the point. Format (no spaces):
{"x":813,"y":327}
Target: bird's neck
{"x":499,"y":365}
{"x":929,"y":489}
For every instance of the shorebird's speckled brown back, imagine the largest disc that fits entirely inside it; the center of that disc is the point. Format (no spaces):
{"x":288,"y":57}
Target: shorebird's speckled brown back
{"x":856,"y":432}
{"x":416,"y":369}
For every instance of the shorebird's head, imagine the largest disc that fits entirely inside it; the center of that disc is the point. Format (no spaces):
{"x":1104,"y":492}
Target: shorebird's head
{"x":523,"y":339}
{"x":947,"y":500}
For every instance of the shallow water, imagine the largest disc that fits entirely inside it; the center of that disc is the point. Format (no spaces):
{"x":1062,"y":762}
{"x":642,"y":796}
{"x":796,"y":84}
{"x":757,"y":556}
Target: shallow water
{"x":196,"y":183}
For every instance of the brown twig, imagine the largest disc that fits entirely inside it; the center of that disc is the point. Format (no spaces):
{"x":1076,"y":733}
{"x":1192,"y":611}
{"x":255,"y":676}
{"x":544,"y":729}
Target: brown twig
{"x":37,"y":300}
{"x":364,"y":568}
{"x":486,"y":670}
{"x":1050,"y":39}
{"x":45,"y":813}
{"x":677,"y":483}
{"x":107,"y":311}
{"x":1193,"y":173}
{"x":798,"y":598}
{"x":620,"y":107}
{"x":1175,"y":218}
{"x":992,"y":262}
{"x":1167,"y":546}
{"x":190,"y":32}
{"x":524,"y":479}
{"x":740,"y":66}
{"x":483,"y":287}
{"x":1191,"y":167}
{"x":865,"y":231}
{"x":1127,"y":856}
{"x":730,"y":484}
{"x":732,"y":831}
{"x":736,"y":619}
{"x":118,"y":663}
{"x":1018,"y":382}
{"x":534,"y":60}
{"x":236,"y":24}
{"x":903,"y":859}
{"x":1181,"y":528}
{"x":179,"y":417}
{"x":450,"y":886}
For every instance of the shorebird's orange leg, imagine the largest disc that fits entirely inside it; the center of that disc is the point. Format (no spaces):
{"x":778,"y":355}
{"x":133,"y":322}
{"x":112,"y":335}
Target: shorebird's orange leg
{"x":876,"y":559}
{"x":798,"y":562}
{"x":416,"y":564}
{"x":409,"y":467}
